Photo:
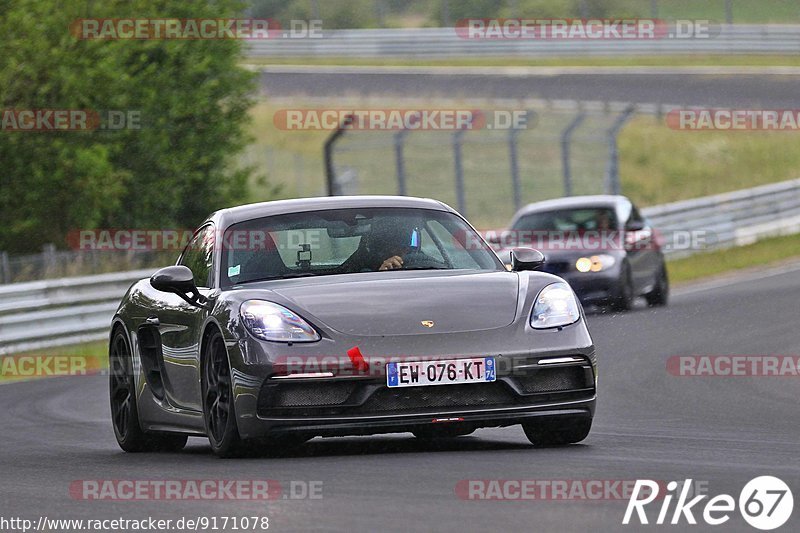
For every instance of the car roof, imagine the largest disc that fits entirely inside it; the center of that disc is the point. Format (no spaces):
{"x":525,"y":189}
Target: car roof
{"x":225,"y":217}
{"x":617,"y":202}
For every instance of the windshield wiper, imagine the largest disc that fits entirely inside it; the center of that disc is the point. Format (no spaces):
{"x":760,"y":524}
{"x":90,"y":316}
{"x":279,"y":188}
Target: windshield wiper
{"x":427,"y":268}
{"x":282,"y":276}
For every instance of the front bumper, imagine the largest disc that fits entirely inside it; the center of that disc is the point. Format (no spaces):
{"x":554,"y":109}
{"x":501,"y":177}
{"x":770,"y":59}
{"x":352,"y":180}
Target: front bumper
{"x":592,"y":287}
{"x":357,"y":405}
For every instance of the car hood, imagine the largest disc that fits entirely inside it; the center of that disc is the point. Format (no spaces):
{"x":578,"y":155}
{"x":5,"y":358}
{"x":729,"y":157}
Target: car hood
{"x":387,"y":304}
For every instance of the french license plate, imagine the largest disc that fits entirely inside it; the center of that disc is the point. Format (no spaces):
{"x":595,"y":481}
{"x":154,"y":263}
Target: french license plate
{"x":445,"y":372}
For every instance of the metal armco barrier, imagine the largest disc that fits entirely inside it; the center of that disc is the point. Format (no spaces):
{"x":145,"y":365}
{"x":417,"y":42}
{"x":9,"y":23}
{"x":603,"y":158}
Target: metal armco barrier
{"x":445,"y":42}
{"x":58,"y":312}
{"x":730,"y":219}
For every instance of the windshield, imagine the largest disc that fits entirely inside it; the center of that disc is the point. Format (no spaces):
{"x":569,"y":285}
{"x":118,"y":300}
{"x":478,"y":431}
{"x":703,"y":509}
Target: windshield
{"x":569,"y":220}
{"x":345,"y":241}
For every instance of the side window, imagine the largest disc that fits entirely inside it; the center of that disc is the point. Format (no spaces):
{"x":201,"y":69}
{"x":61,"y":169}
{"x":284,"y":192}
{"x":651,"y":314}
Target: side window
{"x":199,"y":256}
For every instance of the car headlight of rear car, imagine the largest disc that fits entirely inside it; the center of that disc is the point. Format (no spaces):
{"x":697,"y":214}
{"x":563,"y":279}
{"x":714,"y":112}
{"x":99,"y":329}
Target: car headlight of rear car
{"x":555,"y":306}
{"x":272,"y":322}
{"x":595,"y":263}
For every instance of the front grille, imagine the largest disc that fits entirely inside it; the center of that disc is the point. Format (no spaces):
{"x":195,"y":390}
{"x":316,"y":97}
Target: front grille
{"x":438,"y":396}
{"x":364,"y":397}
{"x":308,"y":394}
{"x":555,"y":379}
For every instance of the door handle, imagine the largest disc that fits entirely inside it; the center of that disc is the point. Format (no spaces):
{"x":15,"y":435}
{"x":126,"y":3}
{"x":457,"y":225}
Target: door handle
{"x":153,"y":321}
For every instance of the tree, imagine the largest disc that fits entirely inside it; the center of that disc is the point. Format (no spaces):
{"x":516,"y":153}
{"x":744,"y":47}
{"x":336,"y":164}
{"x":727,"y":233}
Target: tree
{"x":191,"y":96}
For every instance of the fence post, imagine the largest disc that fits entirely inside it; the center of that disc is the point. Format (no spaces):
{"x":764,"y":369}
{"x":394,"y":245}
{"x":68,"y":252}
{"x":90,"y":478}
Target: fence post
{"x":445,"y":14}
{"x":460,"y":196}
{"x":566,"y":140}
{"x":330,"y":172}
{"x":49,"y":259}
{"x":654,"y":9}
{"x":457,"y":138}
{"x":612,"y":185}
{"x":399,"y":140}
{"x":728,"y":11}
{"x":5,"y":268}
{"x":514,"y":163}
{"x":399,"y":145}
{"x":380,"y":13}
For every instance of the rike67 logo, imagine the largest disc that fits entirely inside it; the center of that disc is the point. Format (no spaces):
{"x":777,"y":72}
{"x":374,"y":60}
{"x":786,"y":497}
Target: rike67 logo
{"x":765,"y":503}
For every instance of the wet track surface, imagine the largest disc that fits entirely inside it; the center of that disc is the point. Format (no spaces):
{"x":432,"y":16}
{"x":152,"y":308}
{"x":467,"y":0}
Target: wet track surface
{"x":660,"y":87}
{"x":723,"y":431}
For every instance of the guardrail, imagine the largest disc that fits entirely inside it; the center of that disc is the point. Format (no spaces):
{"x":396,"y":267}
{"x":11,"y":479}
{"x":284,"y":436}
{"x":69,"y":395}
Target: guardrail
{"x":65,"y":311}
{"x":444,"y":42}
{"x":730,"y":219}
{"x":58,"y":312}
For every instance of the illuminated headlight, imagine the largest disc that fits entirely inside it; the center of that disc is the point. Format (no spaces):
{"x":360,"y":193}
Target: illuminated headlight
{"x":595,"y":263}
{"x":555,"y":306}
{"x":273,"y":322}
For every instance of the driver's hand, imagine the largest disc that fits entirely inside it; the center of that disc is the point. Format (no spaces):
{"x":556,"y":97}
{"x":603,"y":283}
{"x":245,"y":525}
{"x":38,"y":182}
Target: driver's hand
{"x":392,"y":263}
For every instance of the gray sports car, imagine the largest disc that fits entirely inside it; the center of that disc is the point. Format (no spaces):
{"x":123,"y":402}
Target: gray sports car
{"x":286,"y":320}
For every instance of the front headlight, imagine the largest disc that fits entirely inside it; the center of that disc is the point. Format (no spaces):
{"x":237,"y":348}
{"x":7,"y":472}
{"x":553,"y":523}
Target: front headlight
{"x":272,"y":322}
{"x":595,"y":263}
{"x":555,"y":306}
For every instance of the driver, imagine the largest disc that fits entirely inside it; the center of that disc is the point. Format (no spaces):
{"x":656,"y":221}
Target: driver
{"x":390,"y":244}
{"x":385,"y":247}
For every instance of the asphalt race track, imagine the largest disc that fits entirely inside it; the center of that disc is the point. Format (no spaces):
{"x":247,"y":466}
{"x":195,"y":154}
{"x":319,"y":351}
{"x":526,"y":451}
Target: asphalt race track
{"x":683,"y":86}
{"x":650,"y":424}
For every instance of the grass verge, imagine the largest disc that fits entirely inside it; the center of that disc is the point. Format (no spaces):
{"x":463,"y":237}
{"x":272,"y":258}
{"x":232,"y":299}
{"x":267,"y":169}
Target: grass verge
{"x":761,"y":253}
{"x":76,"y":359}
{"x":601,"y":61}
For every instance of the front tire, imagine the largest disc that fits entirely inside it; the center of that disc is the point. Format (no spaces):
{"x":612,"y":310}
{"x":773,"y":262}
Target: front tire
{"x":557,"y":433}
{"x":219,"y":412}
{"x":624,"y":298}
{"x":659,"y":296}
{"x":124,"y":411}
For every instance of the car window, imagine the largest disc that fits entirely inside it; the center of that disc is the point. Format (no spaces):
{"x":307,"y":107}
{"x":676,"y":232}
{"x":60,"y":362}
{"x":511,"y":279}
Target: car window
{"x":198,"y":256}
{"x":346,"y":241}
{"x":587,"y":219}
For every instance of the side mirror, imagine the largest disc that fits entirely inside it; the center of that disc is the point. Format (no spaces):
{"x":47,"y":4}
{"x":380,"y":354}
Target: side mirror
{"x":526,"y":259}
{"x":635,"y":225}
{"x":179,"y":280}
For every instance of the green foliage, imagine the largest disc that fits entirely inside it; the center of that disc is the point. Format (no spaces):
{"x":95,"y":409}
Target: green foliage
{"x":191,"y":96}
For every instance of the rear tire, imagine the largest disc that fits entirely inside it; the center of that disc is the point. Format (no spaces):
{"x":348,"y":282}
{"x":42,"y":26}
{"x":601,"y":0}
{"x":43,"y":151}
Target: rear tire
{"x":550,"y":433}
{"x":124,"y":411}
{"x":659,"y":296}
{"x":219,"y":413}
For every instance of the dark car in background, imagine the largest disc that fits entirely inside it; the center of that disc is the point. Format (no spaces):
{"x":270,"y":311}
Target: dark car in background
{"x":602,"y":245}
